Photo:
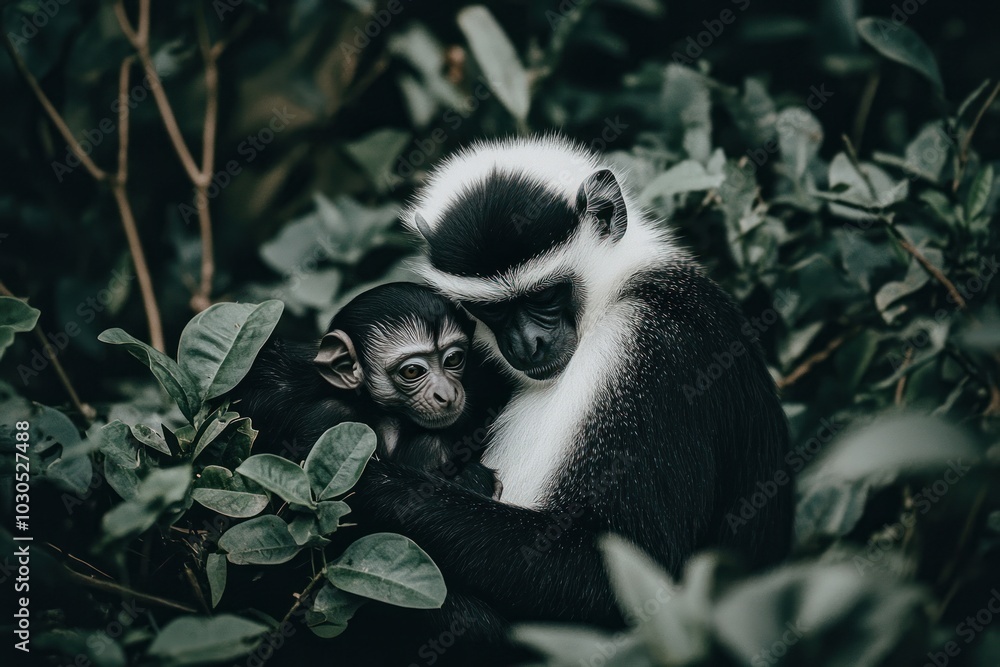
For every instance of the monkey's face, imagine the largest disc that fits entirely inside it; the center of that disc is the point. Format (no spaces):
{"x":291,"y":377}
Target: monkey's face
{"x":424,"y":382}
{"x":535,"y":332}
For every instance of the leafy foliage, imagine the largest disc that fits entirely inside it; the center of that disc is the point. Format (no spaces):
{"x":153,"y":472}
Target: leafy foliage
{"x":848,"y":203}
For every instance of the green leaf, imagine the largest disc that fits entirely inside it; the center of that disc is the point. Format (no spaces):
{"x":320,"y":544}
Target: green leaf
{"x":279,"y":476}
{"x":979,"y":192}
{"x":389,"y":568}
{"x":329,"y":513}
{"x":178,"y":383}
{"x":196,"y":640}
{"x":232,"y":446}
{"x":220,"y":343}
{"x":15,"y":316}
{"x":79,"y":647}
{"x":678,"y":633}
{"x":497,"y":58}
{"x":916,"y":277}
{"x":800,"y":136}
{"x":339,"y":231}
{"x":64,"y":459}
{"x":939,"y":204}
{"x":159,"y":492}
{"x":264,"y":540}
{"x":821,"y":614}
{"x":304,"y":528}
{"x":831,"y":507}
{"x":910,"y":443}
{"x":332,"y":608}
{"x":899,"y":43}
{"x":687,"y":176}
{"x":336,"y":461}
{"x":121,"y":458}
{"x":567,"y":645}
{"x":377,"y":151}
{"x":150,"y":438}
{"x":882,"y":193}
{"x":927,"y":154}
{"x":219,"y":490}
{"x":213,"y":426}
{"x":215,"y":569}
{"x":684,"y":110}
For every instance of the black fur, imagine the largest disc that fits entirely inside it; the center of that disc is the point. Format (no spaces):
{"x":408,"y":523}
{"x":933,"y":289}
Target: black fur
{"x":291,"y":405}
{"x":651,"y":466}
{"x":498,"y":223}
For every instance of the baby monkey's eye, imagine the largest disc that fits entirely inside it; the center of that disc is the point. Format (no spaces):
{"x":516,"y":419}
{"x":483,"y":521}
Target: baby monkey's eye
{"x":411,"y":371}
{"x":454,"y":359}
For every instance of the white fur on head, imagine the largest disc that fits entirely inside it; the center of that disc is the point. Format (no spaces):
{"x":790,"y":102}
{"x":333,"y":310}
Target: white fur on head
{"x":599,"y":267}
{"x":537,"y":430}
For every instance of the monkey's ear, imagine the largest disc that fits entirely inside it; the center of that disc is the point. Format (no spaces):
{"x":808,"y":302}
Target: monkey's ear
{"x":601,"y":197}
{"x":337,"y":361}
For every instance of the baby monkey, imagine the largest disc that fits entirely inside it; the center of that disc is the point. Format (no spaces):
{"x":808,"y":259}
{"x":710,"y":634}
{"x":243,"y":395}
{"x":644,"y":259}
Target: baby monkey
{"x":392,"y":358}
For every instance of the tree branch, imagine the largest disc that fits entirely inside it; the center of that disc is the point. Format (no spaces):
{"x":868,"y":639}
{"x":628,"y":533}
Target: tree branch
{"x":140,"y":40}
{"x":57,"y":120}
{"x":88,"y":412}
{"x":101,"y":176}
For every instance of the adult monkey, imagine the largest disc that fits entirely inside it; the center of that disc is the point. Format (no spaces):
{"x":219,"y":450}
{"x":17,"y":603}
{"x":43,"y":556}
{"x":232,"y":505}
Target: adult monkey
{"x":600,"y":319}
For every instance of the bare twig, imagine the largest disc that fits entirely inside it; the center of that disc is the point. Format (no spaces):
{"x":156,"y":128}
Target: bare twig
{"x":852,"y":155}
{"x":930,"y":268}
{"x":125,"y":591}
{"x":196,"y":587}
{"x":140,"y":41}
{"x":865,"y":107}
{"x":963,"y":153}
{"x":202,"y":298}
{"x":128,"y":217}
{"x":88,"y":412}
{"x":807,"y":365}
{"x":128,"y":220}
{"x":901,"y":383}
{"x":302,"y":597}
{"x":57,"y":120}
{"x":200,"y":176}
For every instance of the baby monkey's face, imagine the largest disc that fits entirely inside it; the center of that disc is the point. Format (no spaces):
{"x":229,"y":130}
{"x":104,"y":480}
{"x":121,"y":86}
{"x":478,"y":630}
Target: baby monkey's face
{"x":429,"y":382}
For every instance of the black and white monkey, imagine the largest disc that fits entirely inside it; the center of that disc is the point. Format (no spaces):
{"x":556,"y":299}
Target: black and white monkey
{"x":393,"y":358}
{"x":600,"y":319}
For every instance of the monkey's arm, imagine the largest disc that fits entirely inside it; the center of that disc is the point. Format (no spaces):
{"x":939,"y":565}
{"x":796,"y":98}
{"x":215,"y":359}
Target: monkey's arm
{"x":495,"y":551}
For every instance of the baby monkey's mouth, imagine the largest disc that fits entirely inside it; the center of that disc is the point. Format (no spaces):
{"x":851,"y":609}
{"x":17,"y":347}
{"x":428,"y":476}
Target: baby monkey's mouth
{"x":438,"y":420}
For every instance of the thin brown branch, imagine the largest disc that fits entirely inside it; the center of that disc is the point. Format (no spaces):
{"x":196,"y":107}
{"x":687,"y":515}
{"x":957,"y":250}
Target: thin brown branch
{"x":202,"y":298}
{"x":196,"y":587}
{"x":302,"y":597}
{"x":125,"y":591}
{"x":124,"y":22}
{"x":127,"y":216}
{"x":84,"y":409}
{"x":140,"y":40}
{"x":930,"y":268}
{"x":901,"y":383}
{"x":852,"y":155}
{"x":123,"y":82}
{"x":241,"y":25}
{"x":144,"y":21}
{"x":54,"y":116}
{"x":128,"y":220}
{"x":967,"y":140}
{"x":141,"y":268}
{"x":865,"y":107}
{"x":807,"y":365}
{"x":963,"y":153}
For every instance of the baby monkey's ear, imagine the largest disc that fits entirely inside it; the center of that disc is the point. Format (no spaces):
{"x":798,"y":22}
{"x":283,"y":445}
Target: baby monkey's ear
{"x":337,"y":361}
